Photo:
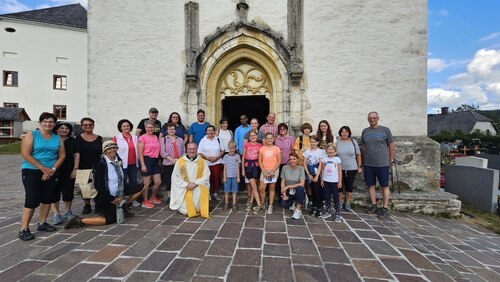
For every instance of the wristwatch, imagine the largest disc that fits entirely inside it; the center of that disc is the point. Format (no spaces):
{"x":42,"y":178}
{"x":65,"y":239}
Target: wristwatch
{"x":54,"y":168}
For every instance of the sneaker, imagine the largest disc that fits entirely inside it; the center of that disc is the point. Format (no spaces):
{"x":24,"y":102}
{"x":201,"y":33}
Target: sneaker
{"x":126,"y":211}
{"x":87,"y":209}
{"x":58,"y":219}
{"x":348,"y":207}
{"x":382,"y":213}
{"x":317,"y":213}
{"x":270,"y":209}
{"x":135,"y":203}
{"x":338,"y":218}
{"x":372,"y":209}
{"x":216,"y":197}
{"x":74,"y":221}
{"x":297,"y":214}
{"x":26,"y":235}
{"x":155,"y":201}
{"x":249,"y":207}
{"x":292,"y":207}
{"x":257,"y":209}
{"x":325,"y":215}
{"x":45,"y":227}
{"x":147,"y":204}
{"x":67,"y":215}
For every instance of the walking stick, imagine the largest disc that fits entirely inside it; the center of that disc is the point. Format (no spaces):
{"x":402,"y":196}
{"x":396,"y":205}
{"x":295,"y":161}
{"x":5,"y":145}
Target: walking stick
{"x":397,"y":177}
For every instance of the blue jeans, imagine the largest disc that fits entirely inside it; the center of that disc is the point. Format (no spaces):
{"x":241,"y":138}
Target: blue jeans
{"x":298,"y":198}
{"x":231,"y":185}
{"x":130,"y":174}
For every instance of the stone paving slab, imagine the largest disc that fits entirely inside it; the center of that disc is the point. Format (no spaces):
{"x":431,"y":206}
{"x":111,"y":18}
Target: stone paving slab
{"x":162,"y":245}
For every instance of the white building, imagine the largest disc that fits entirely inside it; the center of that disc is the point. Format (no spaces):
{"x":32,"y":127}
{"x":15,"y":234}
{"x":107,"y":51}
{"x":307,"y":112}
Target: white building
{"x":43,"y":60}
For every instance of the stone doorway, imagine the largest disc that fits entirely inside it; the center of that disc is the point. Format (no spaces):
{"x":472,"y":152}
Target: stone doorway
{"x":256,"y":106}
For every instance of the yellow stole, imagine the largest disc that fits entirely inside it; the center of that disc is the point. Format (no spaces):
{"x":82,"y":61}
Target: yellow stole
{"x":200,"y":168}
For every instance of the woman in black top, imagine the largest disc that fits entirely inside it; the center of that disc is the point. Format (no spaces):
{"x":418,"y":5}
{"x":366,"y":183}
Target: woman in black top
{"x":90,"y":145}
{"x":67,"y":172}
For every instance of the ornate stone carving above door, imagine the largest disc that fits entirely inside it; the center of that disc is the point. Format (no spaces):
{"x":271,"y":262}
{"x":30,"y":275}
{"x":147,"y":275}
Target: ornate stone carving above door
{"x":244,"y":78}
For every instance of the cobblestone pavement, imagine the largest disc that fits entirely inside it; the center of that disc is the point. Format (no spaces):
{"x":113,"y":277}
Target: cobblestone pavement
{"x":159,"y":244}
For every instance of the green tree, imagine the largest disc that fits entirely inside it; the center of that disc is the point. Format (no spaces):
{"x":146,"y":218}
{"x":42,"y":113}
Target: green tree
{"x":466,"y":107}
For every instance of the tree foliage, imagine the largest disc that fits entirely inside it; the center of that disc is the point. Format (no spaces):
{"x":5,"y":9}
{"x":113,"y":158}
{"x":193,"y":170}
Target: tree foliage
{"x":466,"y":107}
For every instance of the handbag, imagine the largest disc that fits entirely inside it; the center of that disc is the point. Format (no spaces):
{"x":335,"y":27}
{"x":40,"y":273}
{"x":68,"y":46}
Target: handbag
{"x":84,"y":184}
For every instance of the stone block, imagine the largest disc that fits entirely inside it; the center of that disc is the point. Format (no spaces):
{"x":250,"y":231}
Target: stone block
{"x":472,"y":162}
{"x":476,"y":186}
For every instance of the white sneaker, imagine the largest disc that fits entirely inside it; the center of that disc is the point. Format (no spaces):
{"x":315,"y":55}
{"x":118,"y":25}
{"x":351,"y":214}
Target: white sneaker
{"x":297,"y":214}
{"x":135,"y":203}
{"x":270,"y":209}
{"x":338,"y":218}
{"x":216,"y":197}
{"x":292,"y":207}
{"x":326,"y":215}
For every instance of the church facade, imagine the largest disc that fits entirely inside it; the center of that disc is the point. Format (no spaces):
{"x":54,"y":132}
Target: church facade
{"x":306,"y":61}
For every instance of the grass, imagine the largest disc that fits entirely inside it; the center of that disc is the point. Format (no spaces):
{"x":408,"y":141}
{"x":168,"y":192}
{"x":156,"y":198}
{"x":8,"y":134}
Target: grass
{"x":10,"y":149}
{"x":487,"y":220}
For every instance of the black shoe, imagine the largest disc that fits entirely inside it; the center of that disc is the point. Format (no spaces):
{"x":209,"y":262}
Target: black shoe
{"x":74,"y":221}
{"x":371,"y":210}
{"x":45,"y":227}
{"x":26,"y":235}
{"x":382,"y":213}
{"x":87,"y":209}
{"x":126,"y":210}
{"x":167,"y":202}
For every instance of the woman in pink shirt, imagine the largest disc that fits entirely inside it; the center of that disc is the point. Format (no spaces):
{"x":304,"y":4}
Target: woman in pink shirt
{"x":172,"y":148}
{"x":149,"y":151}
{"x":269,"y":162}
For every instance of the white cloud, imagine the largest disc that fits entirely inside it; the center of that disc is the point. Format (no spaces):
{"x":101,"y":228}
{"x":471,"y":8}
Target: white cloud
{"x":443,"y":13}
{"x":483,"y":63}
{"x":66,"y":2}
{"x":12,"y":6}
{"x":491,"y":36}
{"x":480,"y":84}
{"x":438,"y":65}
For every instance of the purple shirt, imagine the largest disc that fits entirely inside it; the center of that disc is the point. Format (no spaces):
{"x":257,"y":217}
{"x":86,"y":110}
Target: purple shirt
{"x":286,"y":146}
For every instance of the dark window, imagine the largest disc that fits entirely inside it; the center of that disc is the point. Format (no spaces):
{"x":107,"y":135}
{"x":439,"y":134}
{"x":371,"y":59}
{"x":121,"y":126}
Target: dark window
{"x":10,"y":78}
{"x":11,"y":105}
{"x":60,"y":82}
{"x":60,"y":111}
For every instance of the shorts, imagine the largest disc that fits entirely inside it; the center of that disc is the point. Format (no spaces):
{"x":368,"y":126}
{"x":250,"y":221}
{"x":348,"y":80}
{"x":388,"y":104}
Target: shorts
{"x":252,"y":169}
{"x":37,"y":191}
{"x":152,"y":166}
{"x":65,"y":187}
{"x":231,"y":185}
{"x":372,"y":174}
{"x":109,"y":210}
{"x":275,"y":178}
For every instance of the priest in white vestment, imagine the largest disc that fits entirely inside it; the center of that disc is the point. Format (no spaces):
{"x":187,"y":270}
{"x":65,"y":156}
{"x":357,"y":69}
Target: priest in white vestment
{"x":191,"y":184}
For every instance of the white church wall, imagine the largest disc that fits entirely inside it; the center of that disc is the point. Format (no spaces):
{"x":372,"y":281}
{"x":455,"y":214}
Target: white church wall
{"x":136,"y":60}
{"x":484,"y":127}
{"x":364,"y":56}
{"x":33,"y":51}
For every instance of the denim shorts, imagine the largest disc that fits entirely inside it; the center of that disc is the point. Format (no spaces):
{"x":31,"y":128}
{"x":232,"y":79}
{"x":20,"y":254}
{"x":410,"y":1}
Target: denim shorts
{"x":372,"y":174}
{"x":231,"y":185}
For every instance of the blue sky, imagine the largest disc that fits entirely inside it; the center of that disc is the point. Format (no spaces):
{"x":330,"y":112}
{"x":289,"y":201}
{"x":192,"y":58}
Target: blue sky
{"x":463,"y":53}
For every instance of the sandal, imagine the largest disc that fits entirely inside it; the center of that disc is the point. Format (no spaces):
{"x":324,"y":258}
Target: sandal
{"x":226,"y":207}
{"x":235,"y":208}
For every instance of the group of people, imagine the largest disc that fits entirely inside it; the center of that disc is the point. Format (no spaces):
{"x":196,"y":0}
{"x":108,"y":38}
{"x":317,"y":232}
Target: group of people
{"x":194,"y":163}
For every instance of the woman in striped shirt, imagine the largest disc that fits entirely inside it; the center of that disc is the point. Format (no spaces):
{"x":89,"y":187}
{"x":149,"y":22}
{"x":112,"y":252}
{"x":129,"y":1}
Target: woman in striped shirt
{"x":172,"y":148}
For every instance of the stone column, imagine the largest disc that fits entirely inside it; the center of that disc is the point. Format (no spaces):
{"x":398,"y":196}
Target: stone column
{"x":192,"y":44}
{"x":295,"y":65}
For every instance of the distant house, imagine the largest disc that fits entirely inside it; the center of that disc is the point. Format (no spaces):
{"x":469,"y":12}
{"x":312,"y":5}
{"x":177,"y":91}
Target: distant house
{"x":466,"y":121}
{"x":43,"y":62}
{"x":11,"y":123}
